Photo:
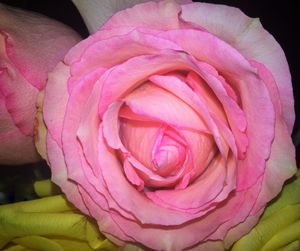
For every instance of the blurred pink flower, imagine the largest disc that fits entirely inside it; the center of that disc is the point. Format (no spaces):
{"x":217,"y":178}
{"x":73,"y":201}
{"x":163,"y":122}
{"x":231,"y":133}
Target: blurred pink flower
{"x":30,"y":46}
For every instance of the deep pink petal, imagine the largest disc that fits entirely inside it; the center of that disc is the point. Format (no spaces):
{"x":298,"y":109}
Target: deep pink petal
{"x":15,"y":147}
{"x":19,"y":95}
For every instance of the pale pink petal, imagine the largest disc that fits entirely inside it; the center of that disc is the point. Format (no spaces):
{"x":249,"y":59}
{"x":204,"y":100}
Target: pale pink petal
{"x":112,"y":137}
{"x":208,"y":246}
{"x":279,"y":167}
{"x":95,"y":13}
{"x":139,"y":138}
{"x":231,"y":64}
{"x":116,"y":83}
{"x":31,"y":42}
{"x":182,"y":91}
{"x":240,"y":230}
{"x":183,"y":236}
{"x":202,"y":149}
{"x":249,"y":37}
{"x":162,"y":15}
{"x":243,"y":213}
{"x":234,"y":114}
{"x":95,"y":52}
{"x":153,"y":179}
{"x":72,"y":117}
{"x":161,"y":105}
{"x":59,"y":174}
{"x":55,"y":101}
{"x":105,"y":222}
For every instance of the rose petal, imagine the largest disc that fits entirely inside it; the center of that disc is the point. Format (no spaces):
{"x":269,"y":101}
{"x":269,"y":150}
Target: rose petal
{"x":160,"y":105}
{"x":161,"y":15}
{"x":20,"y":97}
{"x":55,"y":101}
{"x":60,"y":176}
{"x":249,"y":37}
{"x":32,"y":59}
{"x":145,"y":211}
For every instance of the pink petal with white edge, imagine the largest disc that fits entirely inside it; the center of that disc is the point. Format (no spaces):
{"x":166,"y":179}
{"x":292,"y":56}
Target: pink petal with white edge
{"x":105,"y":222}
{"x":60,"y":176}
{"x":72,"y":119}
{"x":243,"y":213}
{"x":249,"y":37}
{"x":182,"y":237}
{"x":208,"y":245}
{"x":55,"y":101}
{"x":162,"y":15}
{"x":279,"y":167}
{"x":240,"y":230}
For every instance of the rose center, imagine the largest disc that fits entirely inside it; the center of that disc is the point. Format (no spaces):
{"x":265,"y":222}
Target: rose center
{"x":168,"y":153}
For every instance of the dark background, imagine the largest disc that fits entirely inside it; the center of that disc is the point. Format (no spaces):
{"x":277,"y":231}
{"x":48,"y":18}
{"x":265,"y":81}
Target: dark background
{"x":280,"y":18}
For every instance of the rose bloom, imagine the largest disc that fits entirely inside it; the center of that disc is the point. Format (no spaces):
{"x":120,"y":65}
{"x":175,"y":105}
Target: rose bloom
{"x":30,"y":46}
{"x":171,"y":125}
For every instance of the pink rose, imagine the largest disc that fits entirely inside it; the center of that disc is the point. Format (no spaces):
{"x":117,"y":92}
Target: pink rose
{"x":171,"y":125}
{"x":30,"y":45}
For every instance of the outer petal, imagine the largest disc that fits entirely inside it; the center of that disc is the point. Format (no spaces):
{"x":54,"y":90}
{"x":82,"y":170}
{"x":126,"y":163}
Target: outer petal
{"x":95,"y":13}
{"x":162,"y":15}
{"x":55,"y":101}
{"x":249,"y":37}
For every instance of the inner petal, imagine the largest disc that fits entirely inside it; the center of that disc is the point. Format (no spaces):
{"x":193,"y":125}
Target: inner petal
{"x":168,"y":153}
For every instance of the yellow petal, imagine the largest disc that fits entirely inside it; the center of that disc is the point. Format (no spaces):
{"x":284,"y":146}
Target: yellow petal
{"x":38,"y":243}
{"x":15,"y":248}
{"x":45,"y":188}
{"x":289,"y":195}
{"x":287,"y":235}
{"x":294,"y":246}
{"x":267,"y":228}
{"x":48,"y":217}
